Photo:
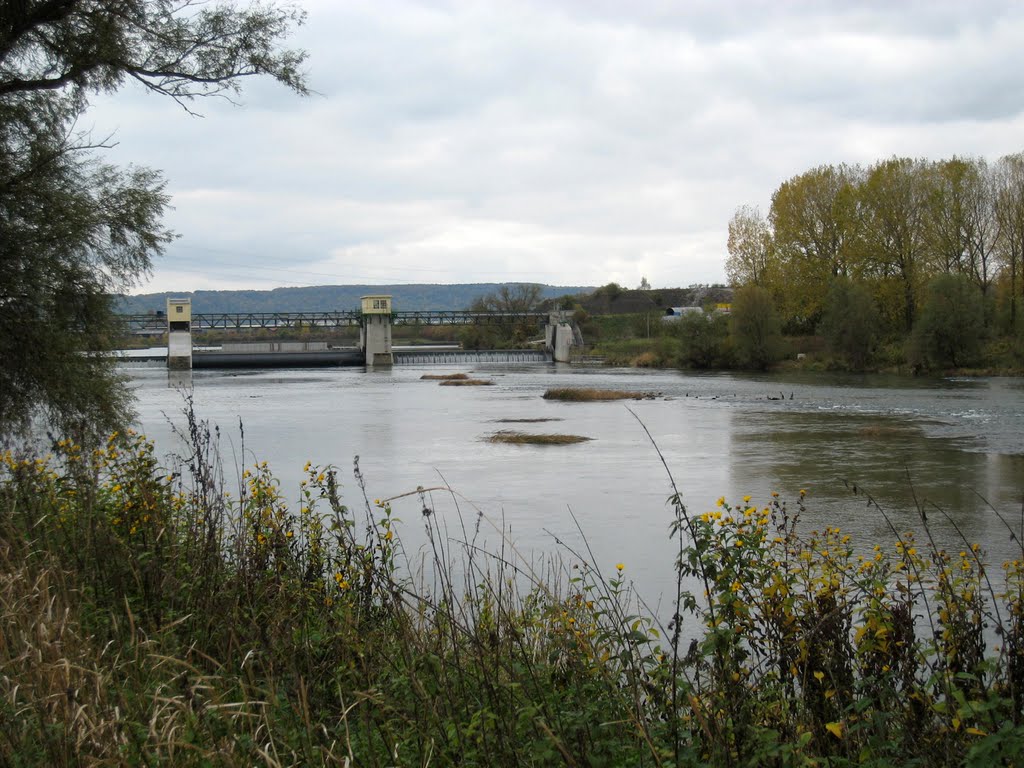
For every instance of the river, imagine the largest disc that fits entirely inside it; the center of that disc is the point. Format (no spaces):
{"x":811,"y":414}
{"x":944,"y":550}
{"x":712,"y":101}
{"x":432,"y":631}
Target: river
{"x":954,"y":447}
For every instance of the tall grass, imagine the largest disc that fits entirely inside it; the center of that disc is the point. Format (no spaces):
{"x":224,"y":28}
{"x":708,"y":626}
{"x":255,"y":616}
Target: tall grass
{"x":147,"y":617}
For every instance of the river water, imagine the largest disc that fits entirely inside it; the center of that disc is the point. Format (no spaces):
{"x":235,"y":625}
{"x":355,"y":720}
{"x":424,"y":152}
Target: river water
{"x":954,"y":447}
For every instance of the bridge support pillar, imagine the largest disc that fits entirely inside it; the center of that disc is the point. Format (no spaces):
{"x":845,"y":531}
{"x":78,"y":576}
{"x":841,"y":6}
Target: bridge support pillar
{"x":559,"y":337}
{"x":179,"y":334}
{"x":375,"y":331}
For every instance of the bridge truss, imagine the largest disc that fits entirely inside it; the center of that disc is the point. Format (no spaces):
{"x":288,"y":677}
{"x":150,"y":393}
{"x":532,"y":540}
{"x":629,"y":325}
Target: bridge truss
{"x":252,"y":320}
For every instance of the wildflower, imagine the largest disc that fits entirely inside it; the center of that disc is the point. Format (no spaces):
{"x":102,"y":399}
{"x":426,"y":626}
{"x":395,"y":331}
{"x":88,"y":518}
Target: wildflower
{"x":803,"y":492}
{"x":746,"y":499}
{"x":389,"y":535}
{"x":620,"y":567}
{"x":720,"y":502}
{"x":308,"y":465}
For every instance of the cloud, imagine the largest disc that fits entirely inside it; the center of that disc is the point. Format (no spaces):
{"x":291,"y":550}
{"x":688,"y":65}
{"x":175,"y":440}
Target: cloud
{"x":570,"y":142}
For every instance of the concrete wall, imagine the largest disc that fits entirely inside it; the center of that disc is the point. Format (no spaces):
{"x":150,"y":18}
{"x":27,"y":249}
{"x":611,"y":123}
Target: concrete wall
{"x":559,"y":339}
{"x":261,"y":347}
{"x":375,"y":338}
{"x":179,"y":350}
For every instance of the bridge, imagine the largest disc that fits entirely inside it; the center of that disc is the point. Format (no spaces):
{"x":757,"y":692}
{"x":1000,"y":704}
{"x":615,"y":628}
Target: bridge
{"x":157,"y":323}
{"x":375,"y":319}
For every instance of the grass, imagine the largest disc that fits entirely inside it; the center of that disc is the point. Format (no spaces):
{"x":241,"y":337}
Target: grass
{"x":523,"y":438}
{"x":445,"y":376}
{"x":150,"y":616}
{"x":589,"y":395}
{"x":467,"y":383}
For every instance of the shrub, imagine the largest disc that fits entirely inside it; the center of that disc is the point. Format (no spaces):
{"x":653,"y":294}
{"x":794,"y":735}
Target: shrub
{"x":704,"y":340}
{"x":950,"y":325}
{"x":147,"y":617}
{"x":754,"y":328}
{"x":850,"y":323}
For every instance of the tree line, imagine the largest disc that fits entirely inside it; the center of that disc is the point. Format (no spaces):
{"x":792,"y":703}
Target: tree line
{"x":886,"y":240}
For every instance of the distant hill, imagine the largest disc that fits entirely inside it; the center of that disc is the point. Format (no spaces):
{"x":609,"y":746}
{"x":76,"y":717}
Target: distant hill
{"x":323,"y":298}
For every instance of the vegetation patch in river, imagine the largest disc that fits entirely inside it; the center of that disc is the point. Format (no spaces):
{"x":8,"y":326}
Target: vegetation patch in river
{"x":524,"y":438}
{"x":587,"y":395}
{"x":524,"y":421}
{"x":445,"y":376}
{"x":466,"y":383}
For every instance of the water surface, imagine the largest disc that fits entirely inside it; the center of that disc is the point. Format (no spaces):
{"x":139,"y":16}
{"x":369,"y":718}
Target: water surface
{"x":954,"y":448}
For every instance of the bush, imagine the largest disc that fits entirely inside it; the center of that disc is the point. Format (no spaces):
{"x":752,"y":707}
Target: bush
{"x":704,"y":340}
{"x":850,"y":323}
{"x":754,"y":328}
{"x":148,"y":618}
{"x":950,"y":325}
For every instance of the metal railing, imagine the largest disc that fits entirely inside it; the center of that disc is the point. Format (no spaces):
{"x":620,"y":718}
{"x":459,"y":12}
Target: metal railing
{"x":248,"y":320}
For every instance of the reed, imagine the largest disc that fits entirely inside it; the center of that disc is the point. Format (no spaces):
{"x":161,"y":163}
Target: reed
{"x":444,"y":376}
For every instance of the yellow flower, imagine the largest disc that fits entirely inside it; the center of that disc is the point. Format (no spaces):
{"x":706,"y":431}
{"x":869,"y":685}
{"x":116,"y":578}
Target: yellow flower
{"x":620,"y":567}
{"x":308,"y":465}
{"x":746,"y":499}
{"x":720,"y":502}
{"x":389,"y":535}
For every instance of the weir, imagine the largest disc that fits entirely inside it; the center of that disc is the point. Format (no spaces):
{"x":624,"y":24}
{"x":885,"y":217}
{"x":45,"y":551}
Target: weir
{"x":376,"y":318}
{"x":462,"y":356}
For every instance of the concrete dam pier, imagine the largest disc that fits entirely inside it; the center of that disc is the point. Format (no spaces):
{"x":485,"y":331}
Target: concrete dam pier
{"x":375,"y":320}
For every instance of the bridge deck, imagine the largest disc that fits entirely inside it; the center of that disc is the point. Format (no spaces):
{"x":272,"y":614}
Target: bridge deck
{"x":333,"y":319}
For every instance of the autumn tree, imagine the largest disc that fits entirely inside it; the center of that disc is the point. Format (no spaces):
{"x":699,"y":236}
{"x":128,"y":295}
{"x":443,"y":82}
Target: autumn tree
{"x":949,"y":221}
{"x":73,"y":229}
{"x":749,"y":245}
{"x":894,"y":204}
{"x":1009,"y":193}
{"x":815,"y":221}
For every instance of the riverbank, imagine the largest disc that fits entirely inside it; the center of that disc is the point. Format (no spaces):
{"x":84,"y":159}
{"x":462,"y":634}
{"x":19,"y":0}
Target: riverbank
{"x":802,"y":354}
{"x":150,"y":615}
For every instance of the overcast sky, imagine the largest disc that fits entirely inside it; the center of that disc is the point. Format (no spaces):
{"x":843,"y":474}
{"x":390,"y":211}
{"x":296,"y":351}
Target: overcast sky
{"x":571,"y":142}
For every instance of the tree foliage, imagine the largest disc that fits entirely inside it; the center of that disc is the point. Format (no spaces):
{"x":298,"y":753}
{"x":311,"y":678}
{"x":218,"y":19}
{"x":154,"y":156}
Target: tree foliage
{"x":754,"y":328}
{"x":813,"y":233}
{"x":850,"y":322}
{"x":73,"y":229}
{"x":949,"y":329}
{"x":750,"y":241}
{"x":704,"y":340}
{"x":891,"y":227}
{"x":511,"y":298}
